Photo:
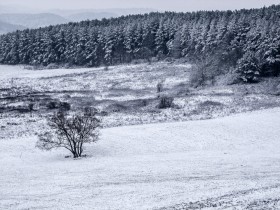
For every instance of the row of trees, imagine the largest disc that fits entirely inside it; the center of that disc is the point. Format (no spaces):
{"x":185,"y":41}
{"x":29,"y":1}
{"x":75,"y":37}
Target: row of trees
{"x":247,"y":41}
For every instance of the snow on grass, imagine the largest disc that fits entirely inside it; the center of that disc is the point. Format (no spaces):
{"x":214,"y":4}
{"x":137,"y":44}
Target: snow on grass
{"x":232,"y":160}
{"x":9,"y":72}
{"x":135,"y":77}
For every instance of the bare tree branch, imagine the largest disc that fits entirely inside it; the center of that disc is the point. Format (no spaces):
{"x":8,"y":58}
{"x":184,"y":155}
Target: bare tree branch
{"x":70,"y":132}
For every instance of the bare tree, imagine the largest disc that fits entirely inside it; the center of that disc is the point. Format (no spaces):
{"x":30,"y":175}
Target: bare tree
{"x":70,"y":132}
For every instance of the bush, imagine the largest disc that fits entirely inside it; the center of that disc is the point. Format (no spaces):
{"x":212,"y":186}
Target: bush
{"x":165,"y":102}
{"x":229,"y":78}
{"x":204,"y":72}
{"x":70,"y":132}
{"x":65,"y":106}
{"x":197,"y":76}
{"x":53,"y":105}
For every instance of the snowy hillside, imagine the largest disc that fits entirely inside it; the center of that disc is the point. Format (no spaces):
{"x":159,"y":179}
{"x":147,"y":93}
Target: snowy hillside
{"x":227,"y":162}
{"x":111,"y":105}
{"x":125,"y":94}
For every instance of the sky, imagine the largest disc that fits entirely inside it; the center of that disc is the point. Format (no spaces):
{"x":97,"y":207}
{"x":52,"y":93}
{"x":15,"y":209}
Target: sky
{"x":162,"y":5}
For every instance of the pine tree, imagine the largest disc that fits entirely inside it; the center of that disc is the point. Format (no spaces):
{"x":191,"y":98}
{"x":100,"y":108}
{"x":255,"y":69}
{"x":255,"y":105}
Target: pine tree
{"x":226,"y":37}
{"x":248,"y":68}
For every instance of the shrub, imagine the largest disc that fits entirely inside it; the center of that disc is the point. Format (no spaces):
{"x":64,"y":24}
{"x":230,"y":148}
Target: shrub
{"x":197,"y":76}
{"x":165,"y":102}
{"x":53,"y":105}
{"x":205,"y":71}
{"x":70,"y":132}
{"x":64,"y":106}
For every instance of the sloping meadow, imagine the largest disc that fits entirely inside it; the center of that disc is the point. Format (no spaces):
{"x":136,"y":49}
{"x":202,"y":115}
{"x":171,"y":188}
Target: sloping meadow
{"x":123,"y":95}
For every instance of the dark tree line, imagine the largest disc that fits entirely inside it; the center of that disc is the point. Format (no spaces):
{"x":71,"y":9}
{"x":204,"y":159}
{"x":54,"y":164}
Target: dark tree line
{"x":246,"y":41}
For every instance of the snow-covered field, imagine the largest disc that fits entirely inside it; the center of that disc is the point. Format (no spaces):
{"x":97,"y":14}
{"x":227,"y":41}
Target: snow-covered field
{"x":126,"y":94}
{"x":135,"y":77}
{"x":212,"y":164}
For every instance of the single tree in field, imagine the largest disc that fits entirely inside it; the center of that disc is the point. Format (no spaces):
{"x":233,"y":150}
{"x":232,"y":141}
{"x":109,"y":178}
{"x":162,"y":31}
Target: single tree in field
{"x":70,"y":132}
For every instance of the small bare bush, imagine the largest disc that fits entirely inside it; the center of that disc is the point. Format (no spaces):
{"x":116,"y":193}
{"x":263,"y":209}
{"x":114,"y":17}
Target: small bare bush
{"x":204,"y":72}
{"x":160,"y":87}
{"x":197,"y":76}
{"x":70,"y":132}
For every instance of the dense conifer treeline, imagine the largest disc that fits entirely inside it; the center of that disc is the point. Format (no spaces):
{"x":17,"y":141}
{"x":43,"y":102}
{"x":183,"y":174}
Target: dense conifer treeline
{"x":244,"y":41}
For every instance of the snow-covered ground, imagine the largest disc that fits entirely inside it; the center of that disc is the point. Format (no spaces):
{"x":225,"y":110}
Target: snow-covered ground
{"x":126,"y":94}
{"x":12,"y":72}
{"x":123,"y":82}
{"x":217,"y":164}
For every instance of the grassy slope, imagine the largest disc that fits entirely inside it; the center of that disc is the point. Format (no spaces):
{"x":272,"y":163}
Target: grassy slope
{"x":126,"y":93}
{"x":230,"y":161}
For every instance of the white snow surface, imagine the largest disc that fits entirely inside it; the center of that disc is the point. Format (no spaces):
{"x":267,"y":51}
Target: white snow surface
{"x":150,"y":166}
{"x":12,"y":72}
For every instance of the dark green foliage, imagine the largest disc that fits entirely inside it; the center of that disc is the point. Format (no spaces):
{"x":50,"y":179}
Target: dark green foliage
{"x":221,"y":36}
